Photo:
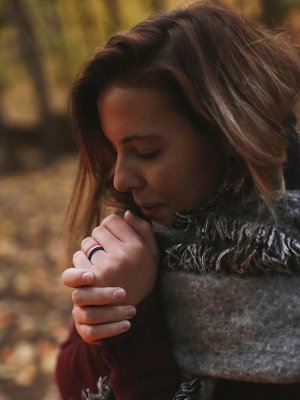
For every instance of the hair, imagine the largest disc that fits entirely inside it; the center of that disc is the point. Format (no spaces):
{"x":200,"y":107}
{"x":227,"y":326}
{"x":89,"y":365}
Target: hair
{"x":226,"y":74}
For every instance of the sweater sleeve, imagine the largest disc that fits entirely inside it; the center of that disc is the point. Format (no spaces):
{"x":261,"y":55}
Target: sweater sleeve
{"x":141,"y":363}
{"x":79,"y":366}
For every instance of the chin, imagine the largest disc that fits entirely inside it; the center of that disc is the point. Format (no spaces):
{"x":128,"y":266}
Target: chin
{"x":157,"y":224}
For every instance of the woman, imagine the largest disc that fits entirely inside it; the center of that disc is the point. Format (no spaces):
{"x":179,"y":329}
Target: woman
{"x":185,"y":122}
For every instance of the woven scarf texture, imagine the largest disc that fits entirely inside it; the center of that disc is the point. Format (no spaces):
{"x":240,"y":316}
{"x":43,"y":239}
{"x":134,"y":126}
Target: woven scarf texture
{"x":230,"y":288}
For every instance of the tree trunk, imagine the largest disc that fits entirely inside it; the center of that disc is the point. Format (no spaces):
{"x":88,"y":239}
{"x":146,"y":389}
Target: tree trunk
{"x":273,"y":13}
{"x":30,"y":52}
{"x":7,"y":153}
{"x":113,"y":14}
{"x":61,"y":48}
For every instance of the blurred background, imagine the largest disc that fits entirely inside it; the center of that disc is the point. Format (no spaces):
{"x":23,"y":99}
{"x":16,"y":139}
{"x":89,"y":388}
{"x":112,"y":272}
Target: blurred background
{"x":42,"y":45}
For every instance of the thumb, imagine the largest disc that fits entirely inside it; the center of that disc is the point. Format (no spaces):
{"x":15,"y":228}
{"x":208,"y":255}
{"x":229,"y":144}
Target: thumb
{"x":144,"y":230}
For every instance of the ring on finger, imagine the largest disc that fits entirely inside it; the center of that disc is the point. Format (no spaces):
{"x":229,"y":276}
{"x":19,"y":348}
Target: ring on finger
{"x":91,"y":250}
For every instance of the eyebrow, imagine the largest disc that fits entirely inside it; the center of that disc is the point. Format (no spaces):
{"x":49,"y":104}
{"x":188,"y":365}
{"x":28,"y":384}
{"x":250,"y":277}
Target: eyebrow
{"x":130,"y":138}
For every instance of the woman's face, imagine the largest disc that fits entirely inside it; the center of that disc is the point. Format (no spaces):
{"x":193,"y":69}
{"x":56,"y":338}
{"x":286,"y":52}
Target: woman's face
{"x":165,"y":162}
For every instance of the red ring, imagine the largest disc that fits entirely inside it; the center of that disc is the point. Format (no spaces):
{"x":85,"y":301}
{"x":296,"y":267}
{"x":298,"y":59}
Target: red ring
{"x":94,"y":245}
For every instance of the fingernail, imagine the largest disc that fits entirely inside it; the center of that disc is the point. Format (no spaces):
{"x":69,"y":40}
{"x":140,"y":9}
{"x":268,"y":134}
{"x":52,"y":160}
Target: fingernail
{"x":125,"y":325}
{"x":130,"y":312}
{"x":132,"y":215}
{"x":87,"y":277}
{"x":77,"y":253}
{"x":119,"y":294}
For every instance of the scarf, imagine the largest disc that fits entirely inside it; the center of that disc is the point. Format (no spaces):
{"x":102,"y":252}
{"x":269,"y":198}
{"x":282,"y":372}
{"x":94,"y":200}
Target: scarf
{"x":230,"y":289}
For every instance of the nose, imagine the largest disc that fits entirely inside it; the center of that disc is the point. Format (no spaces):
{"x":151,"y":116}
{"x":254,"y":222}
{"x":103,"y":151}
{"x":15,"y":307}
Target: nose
{"x":126,"y":175}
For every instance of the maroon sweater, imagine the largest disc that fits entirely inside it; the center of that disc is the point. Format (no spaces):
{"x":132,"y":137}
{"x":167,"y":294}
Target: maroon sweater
{"x":138,"y":362}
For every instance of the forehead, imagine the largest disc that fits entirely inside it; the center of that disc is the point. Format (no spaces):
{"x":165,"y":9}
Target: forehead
{"x":132,"y":110}
{"x":121,"y":96}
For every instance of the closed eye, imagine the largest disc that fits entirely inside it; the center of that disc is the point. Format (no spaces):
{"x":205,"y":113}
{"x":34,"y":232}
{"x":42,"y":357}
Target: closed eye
{"x":148,"y":156}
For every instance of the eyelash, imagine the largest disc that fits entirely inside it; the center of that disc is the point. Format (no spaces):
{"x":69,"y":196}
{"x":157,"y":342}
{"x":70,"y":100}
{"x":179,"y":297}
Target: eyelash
{"x":148,"y":156}
{"x":144,"y":156}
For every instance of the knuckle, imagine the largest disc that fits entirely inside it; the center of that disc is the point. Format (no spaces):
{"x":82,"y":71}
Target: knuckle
{"x":77,"y":254}
{"x":88,"y":315}
{"x":97,"y":230}
{"x":82,"y":331}
{"x":91,"y":333}
{"x":122,"y":255}
{"x":138,"y":247}
{"x":109,"y":219}
{"x":83,"y":242}
{"x":75,"y":312}
{"x":76,"y":296}
{"x":122,"y":258}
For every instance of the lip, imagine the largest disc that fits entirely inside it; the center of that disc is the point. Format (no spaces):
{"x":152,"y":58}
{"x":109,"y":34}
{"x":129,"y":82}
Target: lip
{"x":148,"y":205}
{"x":148,"y":210}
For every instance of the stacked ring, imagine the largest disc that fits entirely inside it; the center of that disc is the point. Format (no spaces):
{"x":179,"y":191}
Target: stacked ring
{"x":91,"y":250}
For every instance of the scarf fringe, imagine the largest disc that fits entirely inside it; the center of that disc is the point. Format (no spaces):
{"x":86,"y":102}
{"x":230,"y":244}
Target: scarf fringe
{"x":196,"y":388}
{"x":189,"y":389}
{"x":104,"y":390}
{"x":235,"y":246}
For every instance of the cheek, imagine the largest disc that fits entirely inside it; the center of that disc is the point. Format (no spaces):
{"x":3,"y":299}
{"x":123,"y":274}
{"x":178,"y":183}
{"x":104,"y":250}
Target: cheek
{"x":173,"y":173}
{"x":161,"y":180}
{"x":173,"y":182}
{"x":195,"y":179}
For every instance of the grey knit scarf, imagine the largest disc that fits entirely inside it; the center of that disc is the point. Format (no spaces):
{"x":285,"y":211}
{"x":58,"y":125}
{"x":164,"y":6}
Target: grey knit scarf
{"x":230,"y":288}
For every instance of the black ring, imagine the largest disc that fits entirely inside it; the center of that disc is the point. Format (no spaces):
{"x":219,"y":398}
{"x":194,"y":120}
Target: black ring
{"x":94,"y":251}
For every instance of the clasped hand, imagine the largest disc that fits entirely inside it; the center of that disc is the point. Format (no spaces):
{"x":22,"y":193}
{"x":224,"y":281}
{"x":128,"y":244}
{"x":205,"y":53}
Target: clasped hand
{"x":109,"y":287}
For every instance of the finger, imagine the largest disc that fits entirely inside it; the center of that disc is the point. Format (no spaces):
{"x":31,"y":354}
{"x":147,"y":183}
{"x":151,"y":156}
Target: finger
{"x":92,"y":333}
{"x":92,"y":315}
{"x":73,"y":277}
{"x":108,"y":240}
{"x":120,"y":229}
{"x":86,"y":244}
{"x":97,"y":296}
{"x":144,"y":230}
{"x":81,"y":261}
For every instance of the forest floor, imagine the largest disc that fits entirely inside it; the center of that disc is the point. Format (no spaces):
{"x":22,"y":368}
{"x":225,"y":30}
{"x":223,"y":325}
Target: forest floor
{"x":35,"y":307}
